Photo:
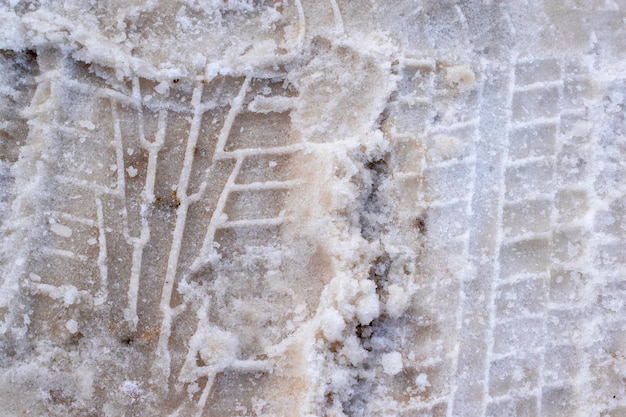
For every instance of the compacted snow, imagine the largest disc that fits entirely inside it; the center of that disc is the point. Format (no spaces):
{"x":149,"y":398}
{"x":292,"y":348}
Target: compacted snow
{"x":312,"y":208}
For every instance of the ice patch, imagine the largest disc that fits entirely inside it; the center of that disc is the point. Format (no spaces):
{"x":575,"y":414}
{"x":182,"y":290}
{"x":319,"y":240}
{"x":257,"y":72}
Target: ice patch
{"x":60,"y":230}
{"x":87,"y":124}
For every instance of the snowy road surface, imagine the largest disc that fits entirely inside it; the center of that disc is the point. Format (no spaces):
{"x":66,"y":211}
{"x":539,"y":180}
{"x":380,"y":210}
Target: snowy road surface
{"x":313,"y":208}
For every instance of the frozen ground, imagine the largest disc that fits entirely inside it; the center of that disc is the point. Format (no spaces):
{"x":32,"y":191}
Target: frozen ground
{"x":312,"y":208}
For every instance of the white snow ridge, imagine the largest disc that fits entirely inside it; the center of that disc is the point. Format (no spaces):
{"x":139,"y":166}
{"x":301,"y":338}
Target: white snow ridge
{"x":313,"y":208}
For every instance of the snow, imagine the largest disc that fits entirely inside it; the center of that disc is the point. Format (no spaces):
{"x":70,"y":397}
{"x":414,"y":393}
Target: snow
{"x":72,"y":326}
{"x":312,"y":208}
{"x":397,"y":301}
{"x":132,"y":171}
{"x":332,"y":324}
{"x":392,"y":363}
{"x":367,"y":306}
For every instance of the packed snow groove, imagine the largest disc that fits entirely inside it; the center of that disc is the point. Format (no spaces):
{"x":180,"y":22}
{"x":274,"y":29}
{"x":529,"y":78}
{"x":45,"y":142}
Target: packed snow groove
{"x":312,"y":208}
